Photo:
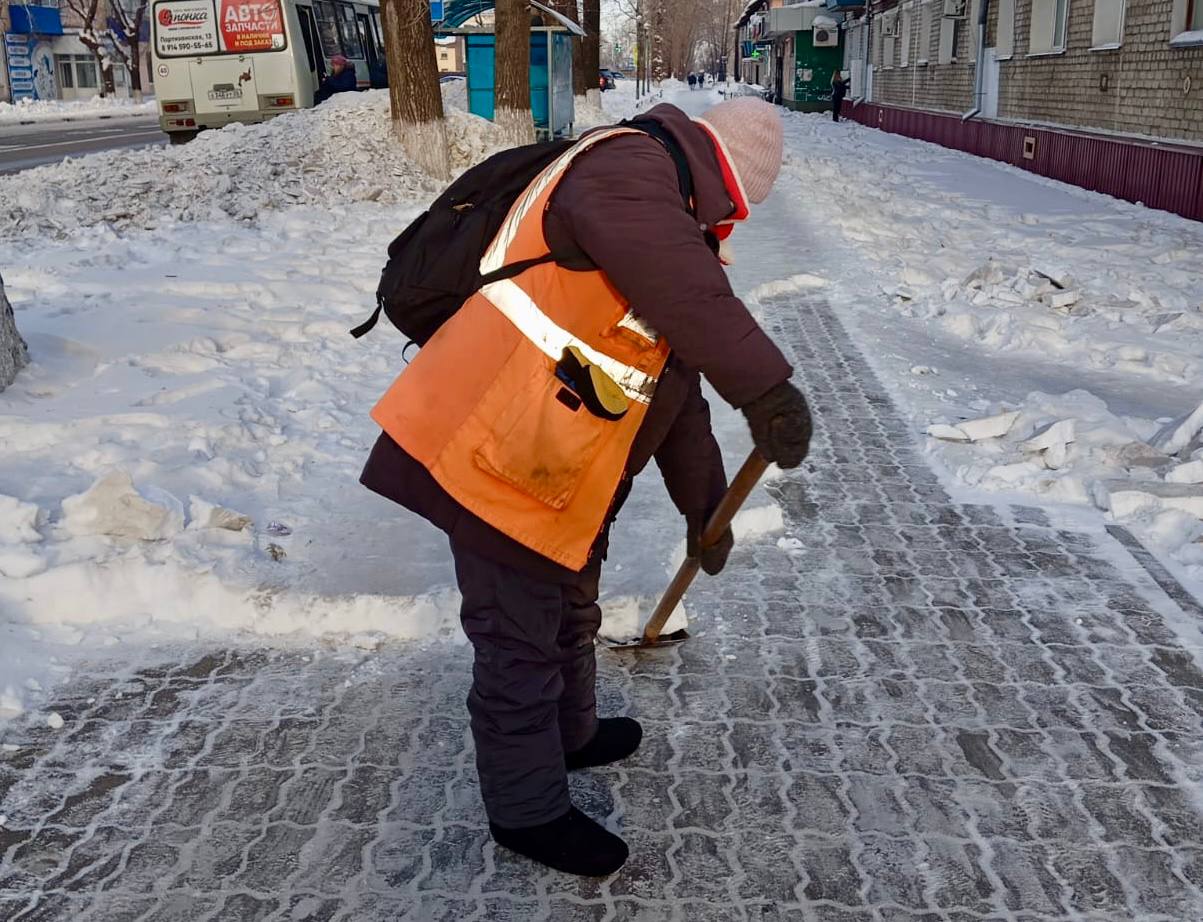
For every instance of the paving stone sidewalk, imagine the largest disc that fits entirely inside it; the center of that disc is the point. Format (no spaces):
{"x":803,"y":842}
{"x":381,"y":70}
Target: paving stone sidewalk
{"x":909,"y":710}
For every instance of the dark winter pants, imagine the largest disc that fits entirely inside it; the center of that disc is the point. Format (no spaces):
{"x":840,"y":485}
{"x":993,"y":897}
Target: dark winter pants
{"x":533,"y":695}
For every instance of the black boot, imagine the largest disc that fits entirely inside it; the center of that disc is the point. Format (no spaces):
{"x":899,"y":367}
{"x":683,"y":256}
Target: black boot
{"x":616,"y":738}
{"x":573,"y":843}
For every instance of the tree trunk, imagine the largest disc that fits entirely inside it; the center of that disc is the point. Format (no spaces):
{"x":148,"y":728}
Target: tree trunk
{"x":591,"y":49}
{"x":135,"y":47}
{"x":108,"y":86}
{"x":511,"y":73}
{"x":413,"y":85}
{"x":13,"y":353}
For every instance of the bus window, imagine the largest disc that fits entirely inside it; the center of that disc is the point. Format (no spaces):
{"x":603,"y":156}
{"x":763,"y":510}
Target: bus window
{"x":352,"y":47}
{"x":309,"y":34}
{"x":327,"y":27}
{"x":376,"y":29}
{"x":365,"y":37}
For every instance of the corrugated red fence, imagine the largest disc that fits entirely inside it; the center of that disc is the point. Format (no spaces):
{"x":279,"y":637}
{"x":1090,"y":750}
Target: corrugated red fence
{"x":1165,"y":177}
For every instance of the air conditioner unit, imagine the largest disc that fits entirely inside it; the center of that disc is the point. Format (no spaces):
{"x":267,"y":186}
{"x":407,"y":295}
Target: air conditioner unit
{"x":826,"y":37}
{"x":954,"y":9}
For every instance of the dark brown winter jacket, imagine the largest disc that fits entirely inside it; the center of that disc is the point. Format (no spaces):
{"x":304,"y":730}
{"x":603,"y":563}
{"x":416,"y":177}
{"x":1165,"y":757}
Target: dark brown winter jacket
{"x":620,"y":206}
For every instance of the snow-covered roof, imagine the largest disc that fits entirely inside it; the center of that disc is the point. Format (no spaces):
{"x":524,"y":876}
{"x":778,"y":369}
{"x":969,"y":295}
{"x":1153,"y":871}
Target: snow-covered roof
{"x":753,"y":6}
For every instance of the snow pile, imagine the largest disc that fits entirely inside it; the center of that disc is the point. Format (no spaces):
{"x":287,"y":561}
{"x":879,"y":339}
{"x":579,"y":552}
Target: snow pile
{"x":1071,"y":448}
{"x":53,"y":110}
{"x":1094,"y":282}
{"x":337,"y":154}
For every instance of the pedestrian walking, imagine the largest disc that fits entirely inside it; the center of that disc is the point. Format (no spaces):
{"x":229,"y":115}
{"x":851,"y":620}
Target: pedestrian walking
{"x":693,"y":81}
{"x":839,"y":89}
{"x":523,"y":451}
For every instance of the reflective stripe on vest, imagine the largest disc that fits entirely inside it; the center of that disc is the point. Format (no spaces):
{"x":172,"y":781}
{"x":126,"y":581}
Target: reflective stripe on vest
{"x":527,"y":316}
{"x":552,"y":339}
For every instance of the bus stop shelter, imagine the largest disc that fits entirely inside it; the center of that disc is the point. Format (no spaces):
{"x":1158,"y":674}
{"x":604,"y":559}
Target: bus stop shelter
{"x":550,"y":63}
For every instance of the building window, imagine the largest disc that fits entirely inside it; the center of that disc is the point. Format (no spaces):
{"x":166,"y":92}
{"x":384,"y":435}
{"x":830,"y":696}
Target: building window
{"x":925,"y":24}
{"x":1188,"y":22}
{"x":1048,"y":26}
{"x":889,"y":38}
{"x":904,"y":36}
{"x":66,"y":71}
{"x":77,"y":71}
{"x":1004,"y":37}
{"x":946,"y":52}
{"x":1108,"y":24}
{"x":85,"y":72}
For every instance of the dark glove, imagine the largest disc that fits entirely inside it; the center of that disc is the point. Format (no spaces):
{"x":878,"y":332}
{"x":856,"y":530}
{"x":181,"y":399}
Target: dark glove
{"x":780,"y":424}
{"x":713,"y":558}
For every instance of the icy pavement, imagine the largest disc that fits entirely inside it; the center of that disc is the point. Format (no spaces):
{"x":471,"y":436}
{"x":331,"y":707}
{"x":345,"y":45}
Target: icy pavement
{"x":904,"y":709}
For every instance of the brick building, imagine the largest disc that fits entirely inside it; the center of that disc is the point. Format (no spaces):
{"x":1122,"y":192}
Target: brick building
{"x":1132,"y":67}
{"x":1106,"y":94}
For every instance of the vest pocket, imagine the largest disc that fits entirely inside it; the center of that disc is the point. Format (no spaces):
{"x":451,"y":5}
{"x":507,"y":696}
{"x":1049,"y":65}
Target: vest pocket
{"x":543,"y":442}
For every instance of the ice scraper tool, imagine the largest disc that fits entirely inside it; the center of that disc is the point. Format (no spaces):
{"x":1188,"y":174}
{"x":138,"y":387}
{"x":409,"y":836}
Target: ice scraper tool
{"x":737,"y":494}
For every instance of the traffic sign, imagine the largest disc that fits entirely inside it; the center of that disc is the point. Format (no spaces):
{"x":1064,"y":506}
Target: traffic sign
{"x":436,"y":10}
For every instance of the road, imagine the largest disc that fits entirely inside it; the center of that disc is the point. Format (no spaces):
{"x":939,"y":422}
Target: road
{"x":25,"y":146}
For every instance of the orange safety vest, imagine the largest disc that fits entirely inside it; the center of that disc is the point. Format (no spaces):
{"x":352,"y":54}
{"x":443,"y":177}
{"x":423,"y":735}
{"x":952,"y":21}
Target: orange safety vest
{"x":481,"y":408}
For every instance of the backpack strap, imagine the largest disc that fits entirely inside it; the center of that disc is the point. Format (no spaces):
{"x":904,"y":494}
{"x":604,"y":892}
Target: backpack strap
{"x":647,"y":126}
{"x":650,"y":126}
{"x":366,"y":327}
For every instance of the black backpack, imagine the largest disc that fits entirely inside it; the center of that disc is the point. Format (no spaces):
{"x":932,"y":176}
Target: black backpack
{"x":434,"y":265}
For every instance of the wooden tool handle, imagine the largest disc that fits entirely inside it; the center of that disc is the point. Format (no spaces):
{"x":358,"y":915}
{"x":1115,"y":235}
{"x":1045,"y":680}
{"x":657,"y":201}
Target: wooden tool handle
{"x":737,"y":494}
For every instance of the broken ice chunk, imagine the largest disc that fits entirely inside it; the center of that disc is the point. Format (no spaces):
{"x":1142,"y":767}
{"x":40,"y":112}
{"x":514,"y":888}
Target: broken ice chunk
{"x":1126,"y":498}
{"x":1178,"y":434}
{"x":113,"y":506}
{"x":1191,"y":472}
{"x":1136,"y":455}
{"x":948,"y":433}
{"x":1055,"y":456}
{"x":203,"y":514}
{"x":1061,"y":300}
{"x":976,"y":430}
{"x":1046,"y":437}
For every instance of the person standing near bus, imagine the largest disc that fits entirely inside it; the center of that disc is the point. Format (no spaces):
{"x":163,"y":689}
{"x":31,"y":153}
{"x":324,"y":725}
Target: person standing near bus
{"x":341,"y":80}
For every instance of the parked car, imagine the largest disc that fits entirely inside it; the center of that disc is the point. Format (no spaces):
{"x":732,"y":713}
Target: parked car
{"x":604,"y":80}
{"x":613,"y":74}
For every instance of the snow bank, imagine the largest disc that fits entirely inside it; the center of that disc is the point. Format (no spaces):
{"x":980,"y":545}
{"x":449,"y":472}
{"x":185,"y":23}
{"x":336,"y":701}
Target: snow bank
{"x":985,"y":295}
{"x":1013,"y":263}
{"x":335,"y":155}
{"x":54,"y":110}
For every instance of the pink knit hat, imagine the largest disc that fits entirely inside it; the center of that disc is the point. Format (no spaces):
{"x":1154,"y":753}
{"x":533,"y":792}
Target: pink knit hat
{"x":750,"y":130}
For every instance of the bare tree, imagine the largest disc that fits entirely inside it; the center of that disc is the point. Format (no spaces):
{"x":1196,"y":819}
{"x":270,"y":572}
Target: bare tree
{"x":511,"y":70}
{"x":127,"y":17}
{"x":13,"y":353}
{"x":92,"y":37}
{"x":413,"y":85}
